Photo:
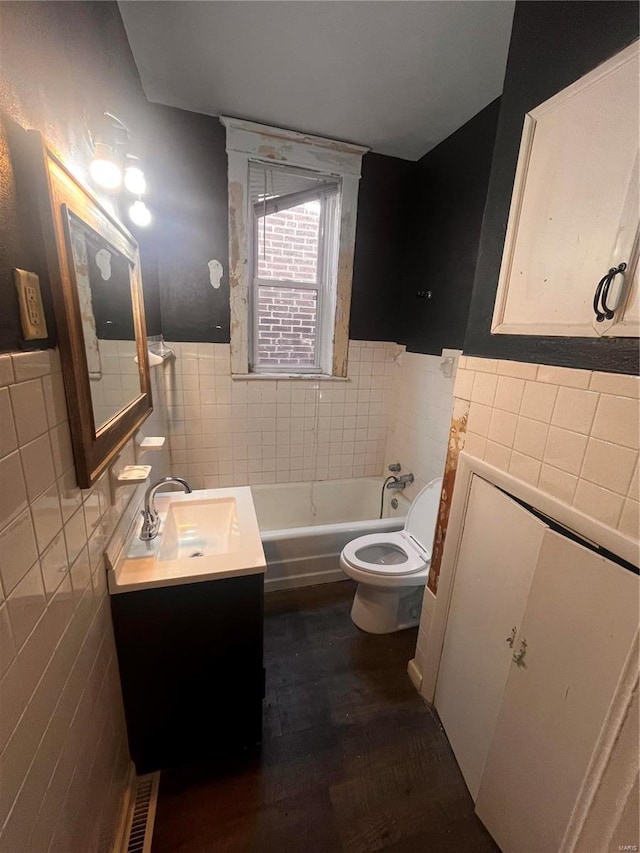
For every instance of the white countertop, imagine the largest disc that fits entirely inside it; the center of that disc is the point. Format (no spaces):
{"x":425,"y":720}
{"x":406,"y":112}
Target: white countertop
{"x":139,"y":566}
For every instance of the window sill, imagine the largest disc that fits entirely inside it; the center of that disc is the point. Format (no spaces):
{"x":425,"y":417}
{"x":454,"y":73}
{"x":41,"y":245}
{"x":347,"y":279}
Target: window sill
{"x":314,"y":377}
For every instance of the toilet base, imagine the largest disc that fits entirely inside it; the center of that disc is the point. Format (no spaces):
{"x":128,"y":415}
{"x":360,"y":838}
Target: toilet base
{"x":380,"y":610}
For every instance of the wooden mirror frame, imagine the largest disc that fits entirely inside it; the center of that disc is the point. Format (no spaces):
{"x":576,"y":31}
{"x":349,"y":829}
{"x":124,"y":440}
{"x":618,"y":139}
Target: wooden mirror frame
{"x":60,"y":193}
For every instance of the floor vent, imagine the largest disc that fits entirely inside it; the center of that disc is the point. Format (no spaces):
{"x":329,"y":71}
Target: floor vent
{"x":143,"y":814}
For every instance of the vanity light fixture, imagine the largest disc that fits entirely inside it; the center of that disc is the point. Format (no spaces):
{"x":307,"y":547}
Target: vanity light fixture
{"x":134,"y":179}
{"x":115,"y":169}
{"x":104,"y":168}
{"x":140,"y":214}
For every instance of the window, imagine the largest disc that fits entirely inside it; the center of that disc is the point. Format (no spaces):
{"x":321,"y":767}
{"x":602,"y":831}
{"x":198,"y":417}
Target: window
{"x":292,"y":218}
{"x":296,"y":218}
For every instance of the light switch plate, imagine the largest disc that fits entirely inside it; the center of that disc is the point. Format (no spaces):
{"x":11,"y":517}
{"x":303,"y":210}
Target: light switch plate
{"x":34,"y":325}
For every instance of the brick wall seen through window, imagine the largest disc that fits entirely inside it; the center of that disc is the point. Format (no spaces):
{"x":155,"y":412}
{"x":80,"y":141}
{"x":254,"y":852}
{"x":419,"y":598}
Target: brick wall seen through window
{"x":287,"y":317}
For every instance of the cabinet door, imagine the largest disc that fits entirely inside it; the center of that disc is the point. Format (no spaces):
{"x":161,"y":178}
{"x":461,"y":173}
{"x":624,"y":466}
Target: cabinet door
{"x":579,"y":625}
{"x":191,"y":668}
{"x":498,"y":552}
{"x":574,"y":210}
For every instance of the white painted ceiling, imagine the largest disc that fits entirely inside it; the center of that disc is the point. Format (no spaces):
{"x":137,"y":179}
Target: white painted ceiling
{"x":396,"y":76}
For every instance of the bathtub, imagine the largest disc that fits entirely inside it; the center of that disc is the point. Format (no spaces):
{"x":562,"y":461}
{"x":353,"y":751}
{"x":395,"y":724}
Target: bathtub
{"x":305,"y":526}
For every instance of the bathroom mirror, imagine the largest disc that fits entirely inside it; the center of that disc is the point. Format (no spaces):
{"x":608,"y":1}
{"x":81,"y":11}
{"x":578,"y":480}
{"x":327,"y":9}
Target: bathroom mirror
{"x":94,"y":271}
{"x":103,"y":282}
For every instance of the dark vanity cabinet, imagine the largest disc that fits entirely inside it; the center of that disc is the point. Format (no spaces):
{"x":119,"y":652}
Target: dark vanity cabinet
{"x":191,"y":667}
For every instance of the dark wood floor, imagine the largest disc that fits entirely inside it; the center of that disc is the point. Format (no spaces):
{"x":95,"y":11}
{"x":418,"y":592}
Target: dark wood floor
{"x":352,"y":759}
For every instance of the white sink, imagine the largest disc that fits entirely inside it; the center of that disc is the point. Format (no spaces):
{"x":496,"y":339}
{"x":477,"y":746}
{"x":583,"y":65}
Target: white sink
{"x":200,"y":528}
{"x":205,"y":535}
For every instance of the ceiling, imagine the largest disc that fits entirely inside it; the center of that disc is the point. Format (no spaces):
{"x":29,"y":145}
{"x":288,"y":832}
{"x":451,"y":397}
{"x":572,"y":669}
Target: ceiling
{"x":398,"y":77}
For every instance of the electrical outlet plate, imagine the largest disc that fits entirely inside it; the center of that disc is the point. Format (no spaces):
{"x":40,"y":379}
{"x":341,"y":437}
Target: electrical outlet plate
{"x":34,"y":325}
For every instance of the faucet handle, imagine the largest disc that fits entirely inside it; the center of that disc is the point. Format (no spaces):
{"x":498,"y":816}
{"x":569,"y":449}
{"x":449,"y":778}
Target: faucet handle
{"x":395,"y":467}
{"x":149,"y":528}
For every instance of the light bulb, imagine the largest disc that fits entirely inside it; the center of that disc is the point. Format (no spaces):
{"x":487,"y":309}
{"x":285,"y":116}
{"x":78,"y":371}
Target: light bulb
{"x":104,"y":170}
{"x":134,"y":180}
{"x":140,"y":214}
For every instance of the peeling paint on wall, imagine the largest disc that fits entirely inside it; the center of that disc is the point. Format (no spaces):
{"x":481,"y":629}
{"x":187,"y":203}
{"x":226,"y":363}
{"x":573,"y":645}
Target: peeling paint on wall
{"x":270,"y":152}
{"x":345,"y":273}
{"x":235,"y":228}
{"x":103,"y":262}
{"x":457,"y":435}
{"x":215,"y":273}
{"x":343,"y":309}
{"x":238,"y":282}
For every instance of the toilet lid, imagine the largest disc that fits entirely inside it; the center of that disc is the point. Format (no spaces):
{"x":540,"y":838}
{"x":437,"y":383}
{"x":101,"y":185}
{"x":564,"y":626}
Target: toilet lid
{"x":384,"y":554}
{"x":423,"y":514}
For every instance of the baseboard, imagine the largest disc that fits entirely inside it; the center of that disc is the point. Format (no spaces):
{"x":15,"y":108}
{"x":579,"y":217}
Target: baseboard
{"x":307,"y":579}
{"x":126,"y":809}
{"x":414,"y":674}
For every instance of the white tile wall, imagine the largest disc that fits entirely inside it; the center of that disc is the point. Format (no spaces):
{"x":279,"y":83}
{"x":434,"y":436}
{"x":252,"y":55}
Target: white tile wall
{"x":421,"y":415}
{"x":572,"y":433}
{"x":63,"y":749}
{"x":118,"y":382}
{"x":227,"y":431}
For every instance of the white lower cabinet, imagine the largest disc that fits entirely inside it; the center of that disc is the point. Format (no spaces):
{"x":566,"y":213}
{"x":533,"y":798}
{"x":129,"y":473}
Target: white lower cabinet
{"x":498,"y":554}
{"x":533,"y":725}
{"x":579,"y":625}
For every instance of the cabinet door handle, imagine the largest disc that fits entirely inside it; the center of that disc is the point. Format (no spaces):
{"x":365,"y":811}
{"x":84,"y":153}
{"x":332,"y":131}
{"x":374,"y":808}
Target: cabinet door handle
{"x":610,"y":310}
{"x":511,"y":640}
{"x":519,"y":655}
{"x":600,"y":307}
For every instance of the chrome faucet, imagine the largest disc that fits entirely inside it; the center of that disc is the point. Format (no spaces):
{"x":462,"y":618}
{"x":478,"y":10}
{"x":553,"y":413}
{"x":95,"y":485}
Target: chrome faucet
{"x":151,"y":522}
{"x":398,"y":483}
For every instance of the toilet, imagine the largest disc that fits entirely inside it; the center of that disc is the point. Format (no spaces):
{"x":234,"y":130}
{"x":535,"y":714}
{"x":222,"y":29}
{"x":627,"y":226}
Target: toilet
{"x":392,"y":568}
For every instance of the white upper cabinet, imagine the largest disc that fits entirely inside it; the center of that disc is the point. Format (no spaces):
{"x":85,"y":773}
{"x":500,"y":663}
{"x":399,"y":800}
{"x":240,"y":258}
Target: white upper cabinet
{"x":574,"y":214}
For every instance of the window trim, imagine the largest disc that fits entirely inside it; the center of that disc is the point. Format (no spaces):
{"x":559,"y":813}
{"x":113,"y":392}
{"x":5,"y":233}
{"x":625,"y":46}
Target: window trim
{"x":249,"y":141}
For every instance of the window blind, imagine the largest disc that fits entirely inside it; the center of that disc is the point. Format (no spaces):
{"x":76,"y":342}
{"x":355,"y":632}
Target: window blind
{"x":275,"y":188}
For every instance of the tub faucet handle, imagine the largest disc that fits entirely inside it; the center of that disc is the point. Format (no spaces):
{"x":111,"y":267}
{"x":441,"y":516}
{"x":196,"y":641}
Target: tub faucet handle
{"x":395,"y":467}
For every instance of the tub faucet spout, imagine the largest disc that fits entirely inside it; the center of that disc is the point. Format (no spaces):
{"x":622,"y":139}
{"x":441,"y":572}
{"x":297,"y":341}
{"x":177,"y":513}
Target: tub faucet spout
{"x":401,"y":482}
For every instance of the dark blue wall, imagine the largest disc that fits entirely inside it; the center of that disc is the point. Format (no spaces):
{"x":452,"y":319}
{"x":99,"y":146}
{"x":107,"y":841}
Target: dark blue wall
{"x":381,"y":237}
{"x":188,"y":184}
{"x":61,"y":66}
{"x":448,"y":193}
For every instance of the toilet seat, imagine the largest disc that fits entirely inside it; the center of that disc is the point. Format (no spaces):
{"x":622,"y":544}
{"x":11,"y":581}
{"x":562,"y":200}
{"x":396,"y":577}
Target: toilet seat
{"x":398,"y":555}
{"x":378,"y":553}
{"x":391,"y":569}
